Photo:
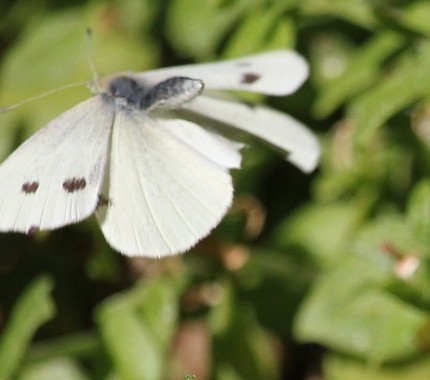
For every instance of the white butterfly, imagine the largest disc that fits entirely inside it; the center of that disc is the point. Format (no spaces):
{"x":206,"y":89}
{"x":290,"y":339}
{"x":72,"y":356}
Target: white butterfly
{"x":156,"y":181}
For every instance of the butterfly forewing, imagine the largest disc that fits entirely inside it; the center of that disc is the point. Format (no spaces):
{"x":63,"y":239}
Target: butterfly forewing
{"x":278,"y":72}
{"x":53,"y":179}
{"x":162,"y":196}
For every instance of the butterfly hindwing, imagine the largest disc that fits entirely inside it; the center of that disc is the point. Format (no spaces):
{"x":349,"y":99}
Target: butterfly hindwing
{"x":213,"y":146}
{"x":276,"y":128}
{"x":162,"y":196}
{"x":53,"y":179}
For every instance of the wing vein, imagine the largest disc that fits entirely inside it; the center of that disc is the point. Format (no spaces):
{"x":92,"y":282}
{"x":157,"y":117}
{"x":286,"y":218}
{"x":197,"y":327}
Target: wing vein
{"x":172,"y":174}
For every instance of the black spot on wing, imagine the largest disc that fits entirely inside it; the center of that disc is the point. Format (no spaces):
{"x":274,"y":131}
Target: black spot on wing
{"x":103,"y":201}
{"x":74,"y":184}
{"x":249,"y":78}
{"x":30,"y":187}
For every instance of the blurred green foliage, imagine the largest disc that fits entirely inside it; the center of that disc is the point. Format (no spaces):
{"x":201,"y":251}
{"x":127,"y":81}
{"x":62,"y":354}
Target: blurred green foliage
{"x":325,"y":274}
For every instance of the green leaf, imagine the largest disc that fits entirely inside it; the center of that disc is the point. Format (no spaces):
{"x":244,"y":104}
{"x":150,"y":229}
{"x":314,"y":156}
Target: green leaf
{"x":189,"y":377}
{"x":388,"y":228}
{"x":282,"y":275}
{"x":78,"y":345}
{"x":349,"y":311}
{"x":418,"y":212}
{"x":227,"y":372}
{"x":129,"y":342}
{"x":54,"y":369}
{"x":362,"y":72}
{"x":322,"y":230}
{"x":329,"y":55}
{"x":157,"y":306}
{"x":32,"y":310}
{"x":267,"y":28}
{"x":211,"y":21}
{"x":21,"y":12}
{"x":412,"y":283}
{"x":403,"y":86}
{"x":414,"y":16}
{"x":239,"y":342}
{"x":337,"y":367}
{"x":357,"y":12}
{"x":137,"y":328}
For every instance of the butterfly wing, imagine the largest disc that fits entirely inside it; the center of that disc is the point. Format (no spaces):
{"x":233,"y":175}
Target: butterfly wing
{"x":278,"y":129}
{"x":53,"y":179}
{"x":213,"y":146}
{"x":278,"y":72}
{"x":162,"y":195}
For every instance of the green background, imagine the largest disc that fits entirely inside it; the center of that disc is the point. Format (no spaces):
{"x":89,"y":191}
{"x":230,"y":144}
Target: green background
{"x":327,"y":274}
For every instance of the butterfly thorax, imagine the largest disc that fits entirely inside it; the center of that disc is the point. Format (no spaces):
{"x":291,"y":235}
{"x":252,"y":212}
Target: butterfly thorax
{"x":129,"y":94}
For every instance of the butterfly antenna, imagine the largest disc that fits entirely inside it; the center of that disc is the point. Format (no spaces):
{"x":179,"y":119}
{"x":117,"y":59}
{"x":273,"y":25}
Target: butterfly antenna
{"x":95,"y":82}
{"x":94,"y":87}
{"x":40,"y":96}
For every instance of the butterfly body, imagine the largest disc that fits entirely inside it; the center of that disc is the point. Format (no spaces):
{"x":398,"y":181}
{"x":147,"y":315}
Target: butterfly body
{"x":128,"y":93}
{"x":156,"y":181}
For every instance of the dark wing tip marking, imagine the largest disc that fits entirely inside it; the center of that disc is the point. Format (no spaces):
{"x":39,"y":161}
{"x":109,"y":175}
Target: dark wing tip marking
{"x":30,"y":187}
{"x":74,"y":184}
{"x":249,"y":78}
{"x":103,"y":201}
